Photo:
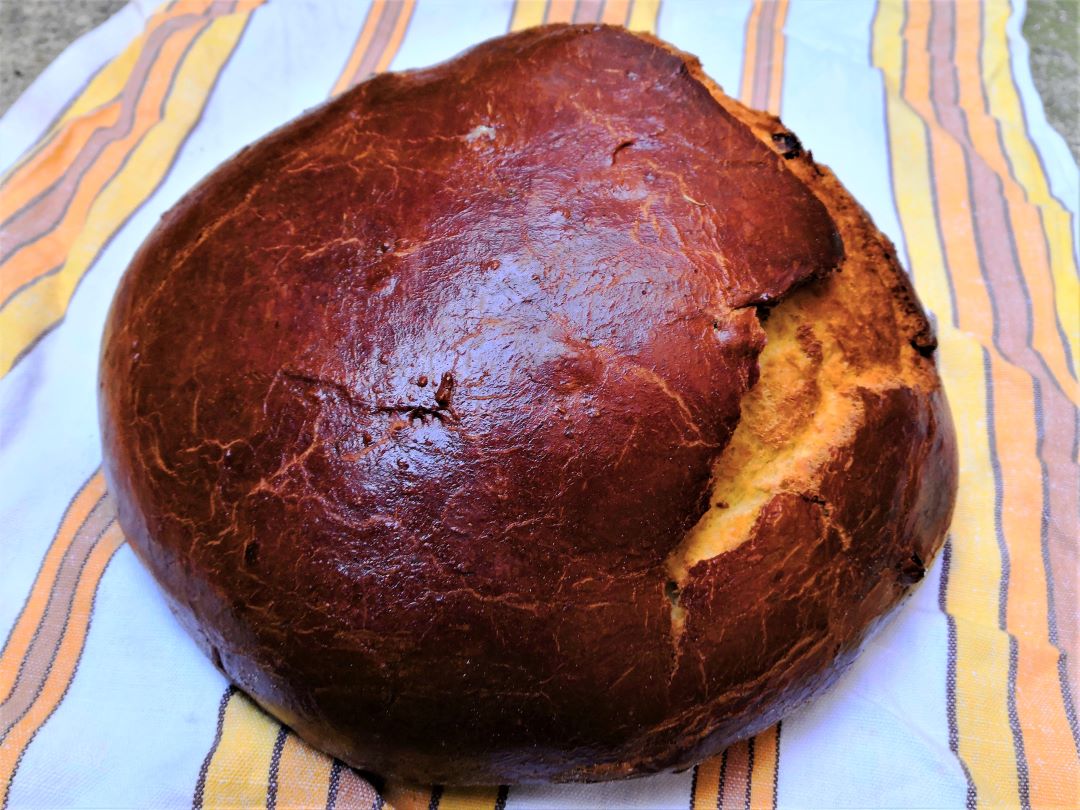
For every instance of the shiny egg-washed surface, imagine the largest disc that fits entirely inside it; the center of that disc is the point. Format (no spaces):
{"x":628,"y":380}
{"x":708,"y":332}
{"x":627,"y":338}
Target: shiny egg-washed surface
{"x":413,"y":408}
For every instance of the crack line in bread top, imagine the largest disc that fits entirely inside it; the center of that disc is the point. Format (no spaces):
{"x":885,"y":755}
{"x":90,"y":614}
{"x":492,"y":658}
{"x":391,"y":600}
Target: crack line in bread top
{"x":506,"y":318}
{"x":580,"y":320}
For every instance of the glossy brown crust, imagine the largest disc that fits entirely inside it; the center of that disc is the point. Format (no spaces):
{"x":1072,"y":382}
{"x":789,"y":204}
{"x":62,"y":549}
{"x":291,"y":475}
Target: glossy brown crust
{"x":408,"y":405}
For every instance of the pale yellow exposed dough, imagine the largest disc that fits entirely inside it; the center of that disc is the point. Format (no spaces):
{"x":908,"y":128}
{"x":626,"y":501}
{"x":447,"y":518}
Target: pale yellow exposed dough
{"x":806,"y":403}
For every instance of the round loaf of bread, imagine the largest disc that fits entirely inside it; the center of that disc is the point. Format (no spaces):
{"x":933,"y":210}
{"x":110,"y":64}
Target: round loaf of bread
{"x":542,"y":415}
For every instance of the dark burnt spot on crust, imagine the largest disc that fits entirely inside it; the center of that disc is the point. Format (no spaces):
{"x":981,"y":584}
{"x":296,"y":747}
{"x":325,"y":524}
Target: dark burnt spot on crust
{"x":925,"y":345}
{"x":671,"y":591}
{"x":911,"y":569}
{"x":924,"y":338}
{"x":623,"y":145}
{"x":445,"y":390}
{"x":788,"y":144}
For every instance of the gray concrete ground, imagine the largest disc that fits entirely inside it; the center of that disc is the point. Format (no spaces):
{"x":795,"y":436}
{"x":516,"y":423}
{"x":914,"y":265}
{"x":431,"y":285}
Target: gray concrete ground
{"x":34,"y":32}
{"x":1052,"y":27}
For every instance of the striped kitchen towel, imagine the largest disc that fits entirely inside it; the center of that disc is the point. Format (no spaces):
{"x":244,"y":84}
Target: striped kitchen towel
{"x":927,"y":113}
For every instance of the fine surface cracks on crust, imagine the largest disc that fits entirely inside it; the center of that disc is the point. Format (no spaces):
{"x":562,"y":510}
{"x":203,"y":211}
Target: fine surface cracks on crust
{"x":320,"y":388}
